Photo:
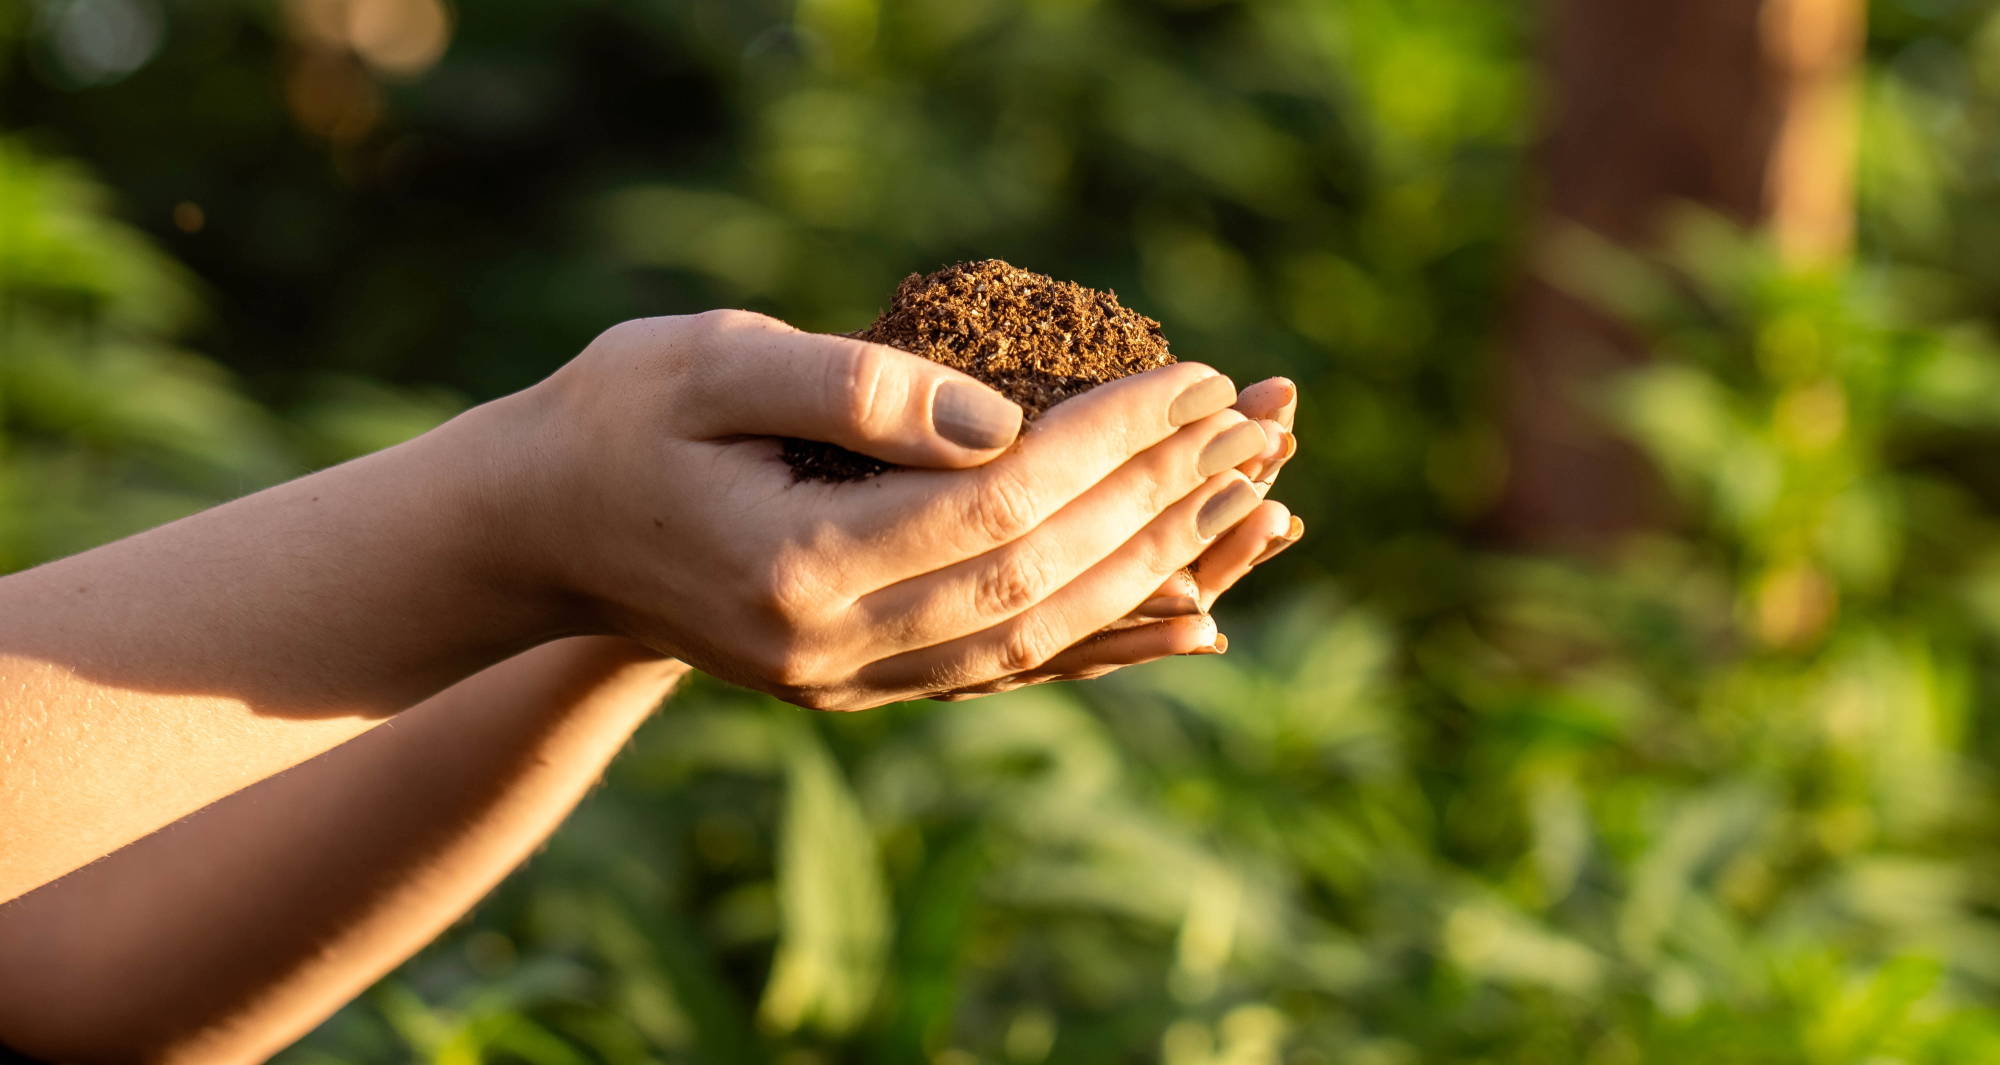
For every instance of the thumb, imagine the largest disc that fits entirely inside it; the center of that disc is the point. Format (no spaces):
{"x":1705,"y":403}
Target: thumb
{"x":761,"y":377}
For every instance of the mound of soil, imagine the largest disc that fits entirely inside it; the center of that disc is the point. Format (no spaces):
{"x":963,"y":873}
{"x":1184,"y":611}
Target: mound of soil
{"x":1037,"y":340}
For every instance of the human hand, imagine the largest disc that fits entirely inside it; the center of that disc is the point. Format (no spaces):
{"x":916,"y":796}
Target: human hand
{"x":1176,"y":619}
{"x":655,"y":503}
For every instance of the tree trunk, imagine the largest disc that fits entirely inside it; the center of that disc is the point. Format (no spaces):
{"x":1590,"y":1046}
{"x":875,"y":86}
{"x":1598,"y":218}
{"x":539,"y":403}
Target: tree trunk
{"x":1743,"y":107}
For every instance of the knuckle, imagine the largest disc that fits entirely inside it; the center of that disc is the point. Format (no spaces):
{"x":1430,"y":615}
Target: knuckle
{"x":780,"y":662}
{"x":1008,"y":585}
{"x":728,"y":320}
{"x":854,"y":378}
{"x":1165,"y":548}
{"x":1161,"y":480}
{"x":1025,"y":646}
{"x":788,"y":589}
{"x":1000,"y":511}
{"x":620,"y":334}
{"x":787,"y":668}
{"x":632,"y":337}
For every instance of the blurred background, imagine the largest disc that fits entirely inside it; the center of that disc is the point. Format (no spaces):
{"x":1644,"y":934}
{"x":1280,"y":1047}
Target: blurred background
{"x":1631,"y":700}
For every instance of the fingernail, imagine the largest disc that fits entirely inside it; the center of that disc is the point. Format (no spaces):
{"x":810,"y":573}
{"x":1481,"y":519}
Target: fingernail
{"x":975,"y":417}
{"x":1225,"y":509}
{"x":1237,"y":444}
{"x":1278,"y":543}
{"x":1289,"y":448}
{"x":1168,"y":606}
{"x":1220,"y":645}
{"x":1203,"y":398}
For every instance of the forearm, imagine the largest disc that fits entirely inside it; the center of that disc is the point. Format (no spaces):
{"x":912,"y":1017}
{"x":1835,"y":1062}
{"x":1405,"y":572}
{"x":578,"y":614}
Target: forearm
{"x":147,"y":678}
{"x":233,"y":932}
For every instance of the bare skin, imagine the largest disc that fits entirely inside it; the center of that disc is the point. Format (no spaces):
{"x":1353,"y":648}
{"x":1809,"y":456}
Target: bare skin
{"x":232,"y":933}
{"x":237,"y":685}
{"x":409,"y":826}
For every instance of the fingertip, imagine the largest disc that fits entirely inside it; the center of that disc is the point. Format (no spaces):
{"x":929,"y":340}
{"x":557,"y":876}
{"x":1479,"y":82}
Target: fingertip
{"x":1288,"y":408}
{"x":1137,"y":644}
{"x":1270,"y":519}
{"x":1164,"y":639}
{"x":1274,"y":400}
{"x":1207,"y":640}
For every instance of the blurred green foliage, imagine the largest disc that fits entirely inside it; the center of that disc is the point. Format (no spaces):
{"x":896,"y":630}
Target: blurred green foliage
{"x":1726,"y":795}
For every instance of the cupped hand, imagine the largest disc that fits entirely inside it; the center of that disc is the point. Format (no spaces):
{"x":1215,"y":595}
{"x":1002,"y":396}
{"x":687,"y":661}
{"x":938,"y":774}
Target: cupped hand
{"x":1175,"y":620}
{"x":658,"y":506}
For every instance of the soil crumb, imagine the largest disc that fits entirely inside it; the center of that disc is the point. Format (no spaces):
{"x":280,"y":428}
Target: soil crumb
{"x":1037,"y":340}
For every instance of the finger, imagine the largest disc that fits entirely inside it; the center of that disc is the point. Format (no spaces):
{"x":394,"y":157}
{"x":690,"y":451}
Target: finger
{"x":1255,"y":540}
{"x":1194,"y":589}
{"x":1177,"y":596}
{"x":1288,"y":446}
{"x":1295,"y":530}
{"x":1130,"y":647}
{"x":754,"y":375}
{"x":1182,"y":593}
{"x":1179,"y":583}
{"x":981,"y":592}
{"x":1241,"y":549}
{"x":1107,"y":653}
{"x":919,"y":519}
{"x":1272,"y":399}
{"x":1109,"y":589}
{"x":1266,"y":461}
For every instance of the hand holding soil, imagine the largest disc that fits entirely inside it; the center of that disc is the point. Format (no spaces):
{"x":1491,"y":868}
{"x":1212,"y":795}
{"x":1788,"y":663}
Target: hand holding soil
{"x":639,"y":492}
{"x":835,"y":587}
{"x":1040,"y":341}
{"x":661,"y":509}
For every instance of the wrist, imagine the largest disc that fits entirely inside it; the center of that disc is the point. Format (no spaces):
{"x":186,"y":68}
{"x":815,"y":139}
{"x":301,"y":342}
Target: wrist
{"x":500,"y":500}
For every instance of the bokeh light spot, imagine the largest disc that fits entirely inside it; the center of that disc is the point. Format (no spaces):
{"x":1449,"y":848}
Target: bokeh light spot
{"x":402,"y":37}
{"x":97,"y":42}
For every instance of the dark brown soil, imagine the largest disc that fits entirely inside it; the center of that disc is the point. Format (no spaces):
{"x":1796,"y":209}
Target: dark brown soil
{"x":1037,"y":340}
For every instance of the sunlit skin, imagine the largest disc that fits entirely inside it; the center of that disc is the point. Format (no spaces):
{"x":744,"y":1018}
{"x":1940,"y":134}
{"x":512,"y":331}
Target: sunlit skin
{"x":634,"y":502}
